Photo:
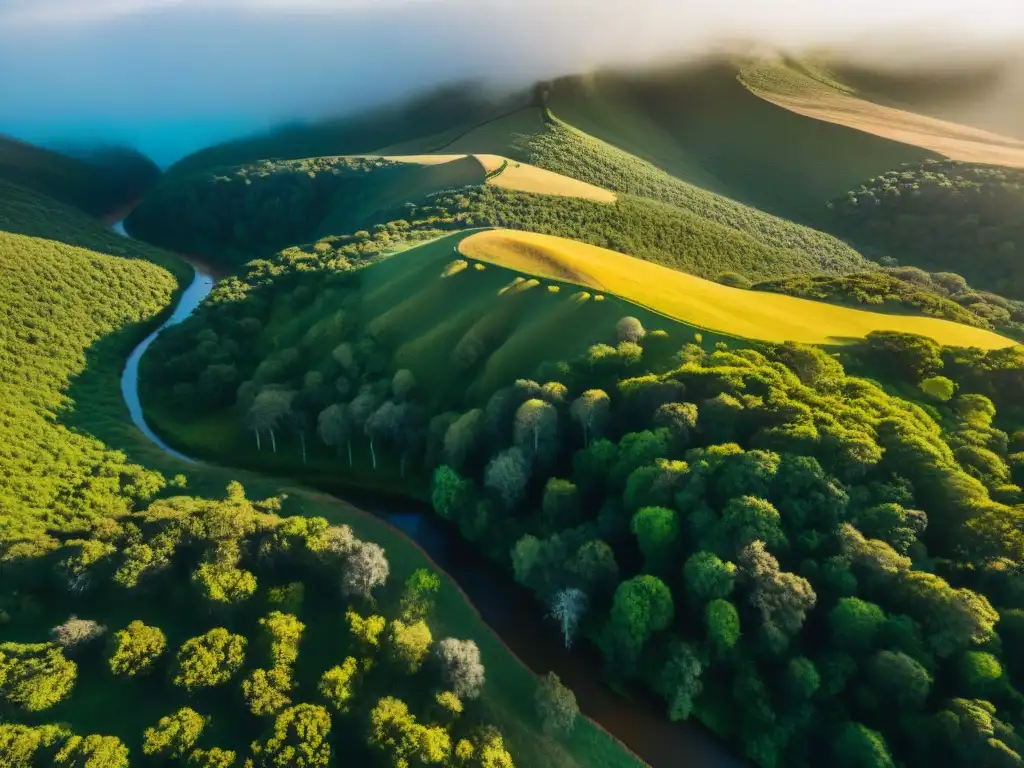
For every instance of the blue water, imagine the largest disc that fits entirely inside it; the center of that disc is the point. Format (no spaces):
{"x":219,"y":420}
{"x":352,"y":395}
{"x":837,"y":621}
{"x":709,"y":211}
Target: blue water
{"x":201,"y":286}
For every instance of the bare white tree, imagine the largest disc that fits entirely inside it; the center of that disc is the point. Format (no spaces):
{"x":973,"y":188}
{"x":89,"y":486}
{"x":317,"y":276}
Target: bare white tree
{"x":364,"y":569}
{"x":461,"y":667}
{"x":568,"y":607}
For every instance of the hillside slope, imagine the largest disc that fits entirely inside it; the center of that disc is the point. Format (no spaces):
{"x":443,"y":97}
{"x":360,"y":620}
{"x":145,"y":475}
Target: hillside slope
{"x":691,"y":300}
{"x":702,"y":125}
{"x":815,"y":93}
{"x":100,"y":182}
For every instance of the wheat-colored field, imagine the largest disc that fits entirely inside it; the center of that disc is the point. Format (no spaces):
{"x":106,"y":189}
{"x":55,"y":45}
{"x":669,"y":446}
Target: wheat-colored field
{"x":702,"y":303}
{"x":521,"y":177}
{"x":823,"y":99}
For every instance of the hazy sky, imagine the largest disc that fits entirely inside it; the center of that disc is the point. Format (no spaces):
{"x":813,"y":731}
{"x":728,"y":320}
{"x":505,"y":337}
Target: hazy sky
{"x":172,"y":75}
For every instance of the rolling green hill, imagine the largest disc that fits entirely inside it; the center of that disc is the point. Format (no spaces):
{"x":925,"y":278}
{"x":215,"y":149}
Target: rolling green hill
{"x":704,"y":125}
{"x":87,"y":532}
{"x":100,"y":182}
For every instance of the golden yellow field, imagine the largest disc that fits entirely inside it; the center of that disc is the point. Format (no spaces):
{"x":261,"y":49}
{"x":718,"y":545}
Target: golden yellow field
{"x":521,"y":177}
{"x":702,"y":303}
{"x":820,"y":100}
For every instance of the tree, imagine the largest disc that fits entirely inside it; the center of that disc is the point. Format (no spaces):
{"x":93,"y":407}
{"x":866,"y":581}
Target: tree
{"x":34,"y":677}
{"x":855,"y":624}
{"x":568,"y":607}
{"x":801,"y":680}
{"x":591,"y":411}
{"x":335,"y":429}
{"x":463,"y":438}
{"x":641,"y":606}
{"x":556,"y":705}
{"x":560,"y":505}
{"x":707,"y":577}
{"x":403,"y":384}
{"x":594,"y":568}
{"x":174,"y":735}
{"x":657,"y":534}
{"x":366,"y":632}
{"x":268,"y":412}
{"x":678,"y":679}
{"x":385,"y":425}
{"x":892,"y":523}
{"x":298,"y":739}
{"x":209,"y":660}
{"x":680,"y":419}
{"x":536,"y":431}
{"x":418,"y":597}
{"x":282,"y":633}
{"x":337,"y":684}
{"x":782,"y":598}
{"x":980,"y":674}
{"x":219,"y":579}
{"x":507,"y":475}
{"x":938,"y":388}
{"x":899,"y":679}
{"x":747,"y":519}
{"x":911,"y":357}
{"x":409,"y":644}
{"x":630,"y":329}
{"x":860,"y":747}
{"x":76,"y":632}
{"x":212,"y":758}
{"x":365,"y":569}
{"x":134,"y":650}
{"x":266,"y":690}
{"x":461,"y":667}
{"x":451,"y":494}
{"x":92,"y":752}
{"x":394,"y":730}
{"x":952,"y":618}
{"x":723,"y":625}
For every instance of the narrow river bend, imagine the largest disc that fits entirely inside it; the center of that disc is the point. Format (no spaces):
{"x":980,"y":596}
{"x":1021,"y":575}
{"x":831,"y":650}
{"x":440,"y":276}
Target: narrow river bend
{"x":509,"y":610}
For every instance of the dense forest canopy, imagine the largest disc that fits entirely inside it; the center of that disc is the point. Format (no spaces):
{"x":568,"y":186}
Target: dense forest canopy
{"x":816,"y":553}
{"x":778,"y":545}
{"x":943,"y":215}
{"x":139,"y":626}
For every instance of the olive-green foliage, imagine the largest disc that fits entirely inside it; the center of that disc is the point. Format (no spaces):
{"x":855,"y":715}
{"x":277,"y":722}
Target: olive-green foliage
{"x":175,"y":734}
{"x":787,"y":544}
{"x":208,"y":660}
{"x":135,"y":649}
{"x":34,"y":677}
{"x":563,"y":149}
{"x":298,"y":738}
{"x":943,"y":215}
{"x":64,"y":282}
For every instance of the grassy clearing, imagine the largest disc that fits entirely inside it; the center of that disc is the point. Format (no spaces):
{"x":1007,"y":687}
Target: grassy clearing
{"x":702,"y":303}
{"x":814,"y":93}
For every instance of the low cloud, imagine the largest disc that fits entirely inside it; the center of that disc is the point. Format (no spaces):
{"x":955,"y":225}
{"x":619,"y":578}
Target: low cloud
{"x":171,"y":75}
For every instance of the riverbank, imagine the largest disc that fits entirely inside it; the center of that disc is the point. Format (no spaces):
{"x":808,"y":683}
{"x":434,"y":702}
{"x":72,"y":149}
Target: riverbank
{"x":509,"y":694}
{"x":520,"y":644}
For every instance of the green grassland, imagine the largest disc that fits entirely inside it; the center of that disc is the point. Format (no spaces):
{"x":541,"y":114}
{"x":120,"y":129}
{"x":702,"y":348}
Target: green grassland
{"x":75,"y":299}
{"x":702,"y":124}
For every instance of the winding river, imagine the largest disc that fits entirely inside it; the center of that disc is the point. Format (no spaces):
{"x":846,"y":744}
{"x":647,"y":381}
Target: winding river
{"x":512,"y":613}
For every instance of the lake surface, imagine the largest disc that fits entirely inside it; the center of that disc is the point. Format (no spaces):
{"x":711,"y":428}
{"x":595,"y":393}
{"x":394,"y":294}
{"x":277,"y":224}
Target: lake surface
{"x":509,"y":610}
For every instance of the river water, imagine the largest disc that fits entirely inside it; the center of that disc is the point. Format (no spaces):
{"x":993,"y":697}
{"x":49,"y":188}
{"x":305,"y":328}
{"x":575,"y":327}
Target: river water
{"x":512,"y":612}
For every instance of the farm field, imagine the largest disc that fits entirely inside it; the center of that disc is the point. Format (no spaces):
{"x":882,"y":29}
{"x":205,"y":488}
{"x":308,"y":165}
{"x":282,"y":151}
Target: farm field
{"x":693,"y":300}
